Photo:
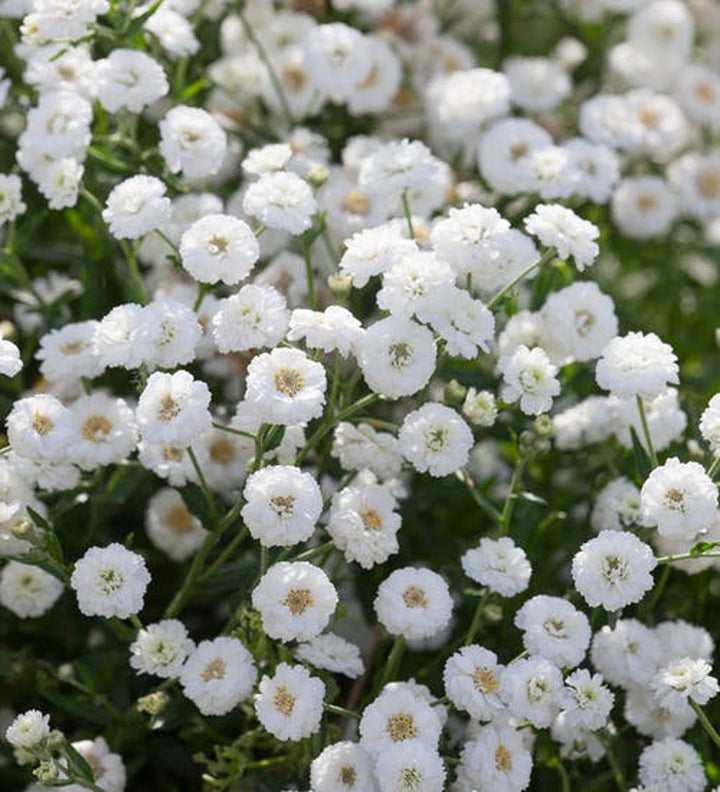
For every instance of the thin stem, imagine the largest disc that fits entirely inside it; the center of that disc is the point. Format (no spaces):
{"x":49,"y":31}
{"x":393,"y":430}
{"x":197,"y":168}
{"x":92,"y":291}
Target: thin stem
{"x":684,"y":557}
{"x":230,"y":429}
{"x":481,"y":501}
{"x":314,"y":551}
{"x":203,"y":289}
{"x":134,"y":270}
{"x":203,"y":485}
{"x":179,"y":600}
{"x":646,"y":432}
{"x":346,"y":713}
{"x":227,"y":553}
{"x":509,"y":506}
{"x":408,"y":213}
{"x":326,"y":427}
{"x":309,"y":274}
{"x":612,"y":761}
{"x":166,"y":239}
{"x":714,"y":466}
{"x":477,"y":618}
{"x":264,"y":560}
{"x":548,"y":255}
{"x":706,"y":724}
{"x":393,"y":661}
{"x":137,"y":624}
{"x":658,"y":590}
{"x":564,"y":778}
{"x":274,"y":79}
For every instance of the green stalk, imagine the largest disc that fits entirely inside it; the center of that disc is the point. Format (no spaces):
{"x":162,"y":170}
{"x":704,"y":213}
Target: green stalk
{"x":408,"y":213}
{"x":705,"y":721}
{"x":646,"y":432}
{"x":547,"y":256}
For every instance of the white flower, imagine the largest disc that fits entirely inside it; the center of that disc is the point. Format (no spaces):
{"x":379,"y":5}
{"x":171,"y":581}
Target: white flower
{"x":536,"y":84}
{"x":178,"y":333}
{"x":335,"y":328}
{"x":342,"y":767}
{"x":10,"y":361}
{"x":161,"y":648}
{"x":68,"y":353}
{"x":281,"y":200}
{"x":136,"y":206}
{"x":470,"y":239}
{"x":397,"y":357}
{"x":679,"y":498}
{"x":255,"y":317}
{"x":373,"y":251}
{"x":637,"y":364}
{"x":28,"y":591}
{"x":554,"y":629}
{"x":499,"y":564}
{"x":105,"y":431}
{"x":613,"y":570}
{"x":409,"y":285}
{"x":337,"y":58}
{"x":617,"y":506}
{"x":11,"y":202}
{"x":682,"y":680}
{"x":504,"y":154}
{"x":360,"y":447}
{"x":28,"y":730}
{"x":290,"y":704}
{"x":125,"y":337}
{"x":710,"y":423}
{"x":628,"y":654}
{"x":173,"y":408}
{"x":435,"y":439}
{"x":363,"y":523}
{"x":648,"y":718}
{"x":586,"y":702}
{"x":465,"y":325}
{"x":409,"y":768}
{"x":110,"y":581}
{"x":192,"y":142}
{"x":672,"y":764}
{"x":295,"y":600}
{"x":270,"y":157}
{"x":644,"y":207}
{"x":128,"y":78}
{"x":39,"y":428}
{"x":560,"y":228}
{"x":414,"y":603}
{"x":496,"y":759}
{"x":108,"y":769}
{"x":219,"y":247}
{"x":286,"y":386}
{"x":218,"y":675}
{"x":283,"y":504}
{"x":532,"y":689}
{"x":399,"y":715}
{"x":530,"y":377}
{"x":578,"y":322}
{"x":396,"y":166}
{"x":332,"y":653}
{"x":473,"y":680}
{"x":170,"y":525}
{"x":479,"y":407}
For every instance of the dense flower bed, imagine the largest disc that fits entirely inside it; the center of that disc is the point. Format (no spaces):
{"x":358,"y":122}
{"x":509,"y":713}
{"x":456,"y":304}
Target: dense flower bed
{"x":358,"y":370}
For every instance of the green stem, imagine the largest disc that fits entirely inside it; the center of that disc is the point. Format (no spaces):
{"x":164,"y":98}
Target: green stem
{"x":209,"y":498}
{"x":646,"y":432}
{"x":408,"y":213}
{"x":166,"y":239}
{"x":138,"y":287}
{"x":264,"y":560}
{"x":612,"y":761}
{"x":684,"y":557}
{"x":179,"y":600}
{"x":658,"y":590}
{"x":203,"y":289}
{"x":547,"y":256}
{"x":509,"y":506}
{"x":326,"y":427}
{"x":309,"y":274}
{"x":393,"y":661}
{"x":227,"y":553}
{"x":230,"y":429}
{"x":314,"y":551}
{"x":137,"y":624}
{"x":346,"y":713}
{"x":477,"y":618}
{"x":714,"y":467}
{"x":564,"y":778}
{"x":481,"y":501}
{"x":706,"y":724}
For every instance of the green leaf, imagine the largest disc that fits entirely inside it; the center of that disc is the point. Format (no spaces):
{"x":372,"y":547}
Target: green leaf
{"x":642,"y":460}
{"x":78,"y":764}
{"x":703,"y":547}
{"x":137,"y":23}
{"x":197,"y":504}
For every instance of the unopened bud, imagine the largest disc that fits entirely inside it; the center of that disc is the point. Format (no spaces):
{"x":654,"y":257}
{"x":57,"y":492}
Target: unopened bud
{"x":454,"y":393}
{"x":47,"y":772}
{"x":22,"y":528}
{"x":318,"y":175}
{"x":543,"y":426}
{"x":154,"y":703}
{"x":340,"y":285}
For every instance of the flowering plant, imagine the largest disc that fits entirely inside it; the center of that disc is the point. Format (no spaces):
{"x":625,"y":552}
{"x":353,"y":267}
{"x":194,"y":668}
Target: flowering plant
{"x":360,"y":404}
